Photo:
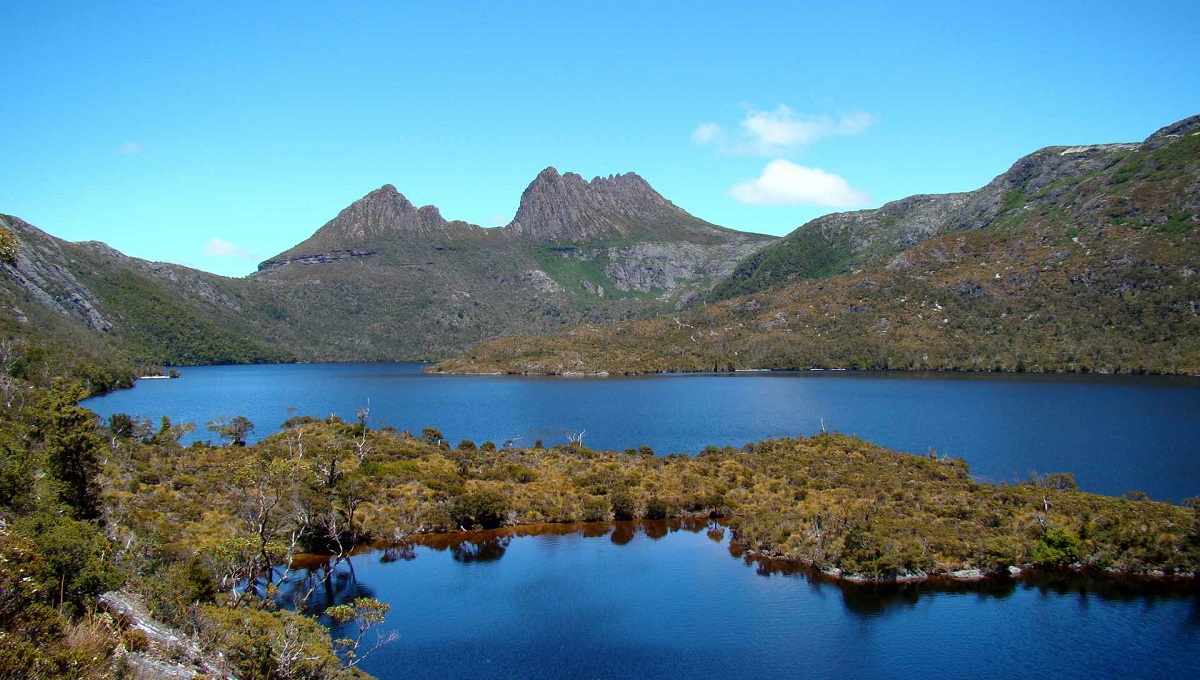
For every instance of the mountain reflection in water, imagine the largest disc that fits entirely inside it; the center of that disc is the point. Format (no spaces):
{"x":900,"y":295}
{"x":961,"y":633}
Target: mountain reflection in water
{"x":665,"y":598}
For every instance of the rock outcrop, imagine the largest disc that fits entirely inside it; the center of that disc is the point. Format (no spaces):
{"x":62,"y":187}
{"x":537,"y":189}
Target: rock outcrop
{"x":567,"y":209}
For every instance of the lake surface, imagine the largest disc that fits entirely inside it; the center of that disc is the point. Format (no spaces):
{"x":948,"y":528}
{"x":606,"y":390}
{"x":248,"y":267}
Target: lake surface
{"x":1115,"y":433}
{"x":672,"y":600}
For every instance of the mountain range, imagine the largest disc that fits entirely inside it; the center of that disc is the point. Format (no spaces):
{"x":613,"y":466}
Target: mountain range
{"x":383,"y":280}
{"x":1080,"y":258}
{"x":1076,"y":258}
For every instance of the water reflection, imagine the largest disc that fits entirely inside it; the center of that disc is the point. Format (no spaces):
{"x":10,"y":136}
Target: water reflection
{"x":334,"y":581}
{"x":623,"y":534}
{"x":314,"y":585}
{"x":677,"y":598}
{"x":398,"y":552}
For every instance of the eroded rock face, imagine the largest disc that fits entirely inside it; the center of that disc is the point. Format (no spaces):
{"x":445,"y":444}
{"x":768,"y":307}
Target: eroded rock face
{"x":38,"y":272}
{"x":566,"y":208}
{"x":541,"y":281}
{"x":319,"y":258}
{"x":645,"y":267}
{"x":386,"y":211}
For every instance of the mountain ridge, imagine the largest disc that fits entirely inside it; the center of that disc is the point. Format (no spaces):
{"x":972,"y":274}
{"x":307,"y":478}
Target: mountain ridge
{"x":841,"y":242}
{"x":554,"y":208}
{"x":1077,"y":258}
{"x":386,"y":280}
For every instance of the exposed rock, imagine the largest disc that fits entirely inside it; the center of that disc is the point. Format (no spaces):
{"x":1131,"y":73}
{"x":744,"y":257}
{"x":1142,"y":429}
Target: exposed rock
{"x":967,"y":575}
{"x":591,"y":288}
{"x":1166,"y":135}
{"x":319,"y":258}
{"x":541,"y":281}
{"x":38,"y":270}
{"x":386,"y":211}
{"x":567,"y":209}
{"x":166,"y":642}
{"x":667,"y":266}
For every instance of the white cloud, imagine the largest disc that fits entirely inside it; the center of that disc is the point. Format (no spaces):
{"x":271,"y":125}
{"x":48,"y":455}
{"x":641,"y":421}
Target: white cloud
{"x":781,"y":129}
{"x":783,"y":182}
{"x":770,"y":133}
{"x":855,"y":123}
{"x":129,"y":148}
{"x":707,"y":133}
{"x":222,"y":248}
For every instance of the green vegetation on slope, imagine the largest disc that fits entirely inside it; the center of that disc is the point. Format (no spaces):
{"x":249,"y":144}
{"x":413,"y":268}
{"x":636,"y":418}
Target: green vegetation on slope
{"x":198,"y":533}
{"x":1153,"y":184}
{"x":803,"y":255}
{"x":1102,"y":280}
{"x":829,"y":501}
{"x":159,"y":329}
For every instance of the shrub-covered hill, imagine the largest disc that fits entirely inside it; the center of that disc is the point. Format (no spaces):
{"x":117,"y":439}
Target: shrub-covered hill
{"x":829,"y":501}
{"x":198,"y":534}
{"x":1102,"y":278}
{"x":90,"y":301}
{"x":1153,"y":183}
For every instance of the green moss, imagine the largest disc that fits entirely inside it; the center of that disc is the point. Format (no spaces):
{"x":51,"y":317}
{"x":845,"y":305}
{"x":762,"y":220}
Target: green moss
{"x":1179,"y":223}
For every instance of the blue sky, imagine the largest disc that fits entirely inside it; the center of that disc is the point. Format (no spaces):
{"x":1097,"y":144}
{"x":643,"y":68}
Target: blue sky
{"x":216,"y":135}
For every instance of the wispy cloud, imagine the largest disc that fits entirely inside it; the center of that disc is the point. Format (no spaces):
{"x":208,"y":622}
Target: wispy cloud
{"x":498,"y":220}
{"x":223,"y":248}
{"x":708,"y":133}
{"x":783,"y":182}
{"x":779,"y":131}
{"x":129,"y":148}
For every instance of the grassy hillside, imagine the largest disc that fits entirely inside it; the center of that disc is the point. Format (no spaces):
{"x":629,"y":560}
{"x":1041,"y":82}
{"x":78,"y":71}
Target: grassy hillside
{"x":1152,"y":183}
{"x":93,"y":300}
{"x":1100,"y":278}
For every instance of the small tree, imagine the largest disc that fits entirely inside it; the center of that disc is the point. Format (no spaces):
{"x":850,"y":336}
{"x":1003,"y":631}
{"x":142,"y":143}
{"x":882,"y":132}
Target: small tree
{"x":169,"y":433}
{"x":432,"y":436}
{"x":73,"y":445}
{"x":365,"y":613}
{"x":233,"y":431}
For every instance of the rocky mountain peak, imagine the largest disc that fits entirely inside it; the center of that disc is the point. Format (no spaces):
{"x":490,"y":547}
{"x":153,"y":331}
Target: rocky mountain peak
{"x":382,"y":211}
{"x":386,"y":212}
{"x":567,"y":208}
{"x":1172,"y":132}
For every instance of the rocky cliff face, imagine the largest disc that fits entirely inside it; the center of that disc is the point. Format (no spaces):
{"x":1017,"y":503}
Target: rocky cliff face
{"x":567,"y":209}
{"x":397,"y":281}
{"x":386,"y":212}
{"x":40,"y":272}
{"x":383,"y":215}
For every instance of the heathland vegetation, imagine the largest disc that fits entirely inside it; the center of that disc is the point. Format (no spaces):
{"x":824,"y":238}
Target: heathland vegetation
{"x":1077,"y":259}
{"x":200,"y":532}
{"x":1093,"y":271}
{"x":1119,"y":300}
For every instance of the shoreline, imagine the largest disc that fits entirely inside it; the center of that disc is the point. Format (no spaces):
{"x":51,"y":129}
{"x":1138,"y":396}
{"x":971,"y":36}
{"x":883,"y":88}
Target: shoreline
{"x":772,"y":562}
{"x":434,"y":369}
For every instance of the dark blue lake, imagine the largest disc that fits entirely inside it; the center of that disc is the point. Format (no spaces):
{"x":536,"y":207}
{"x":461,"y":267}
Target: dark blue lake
{"x":1115,"y":433}
{"x":669,"y":600}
